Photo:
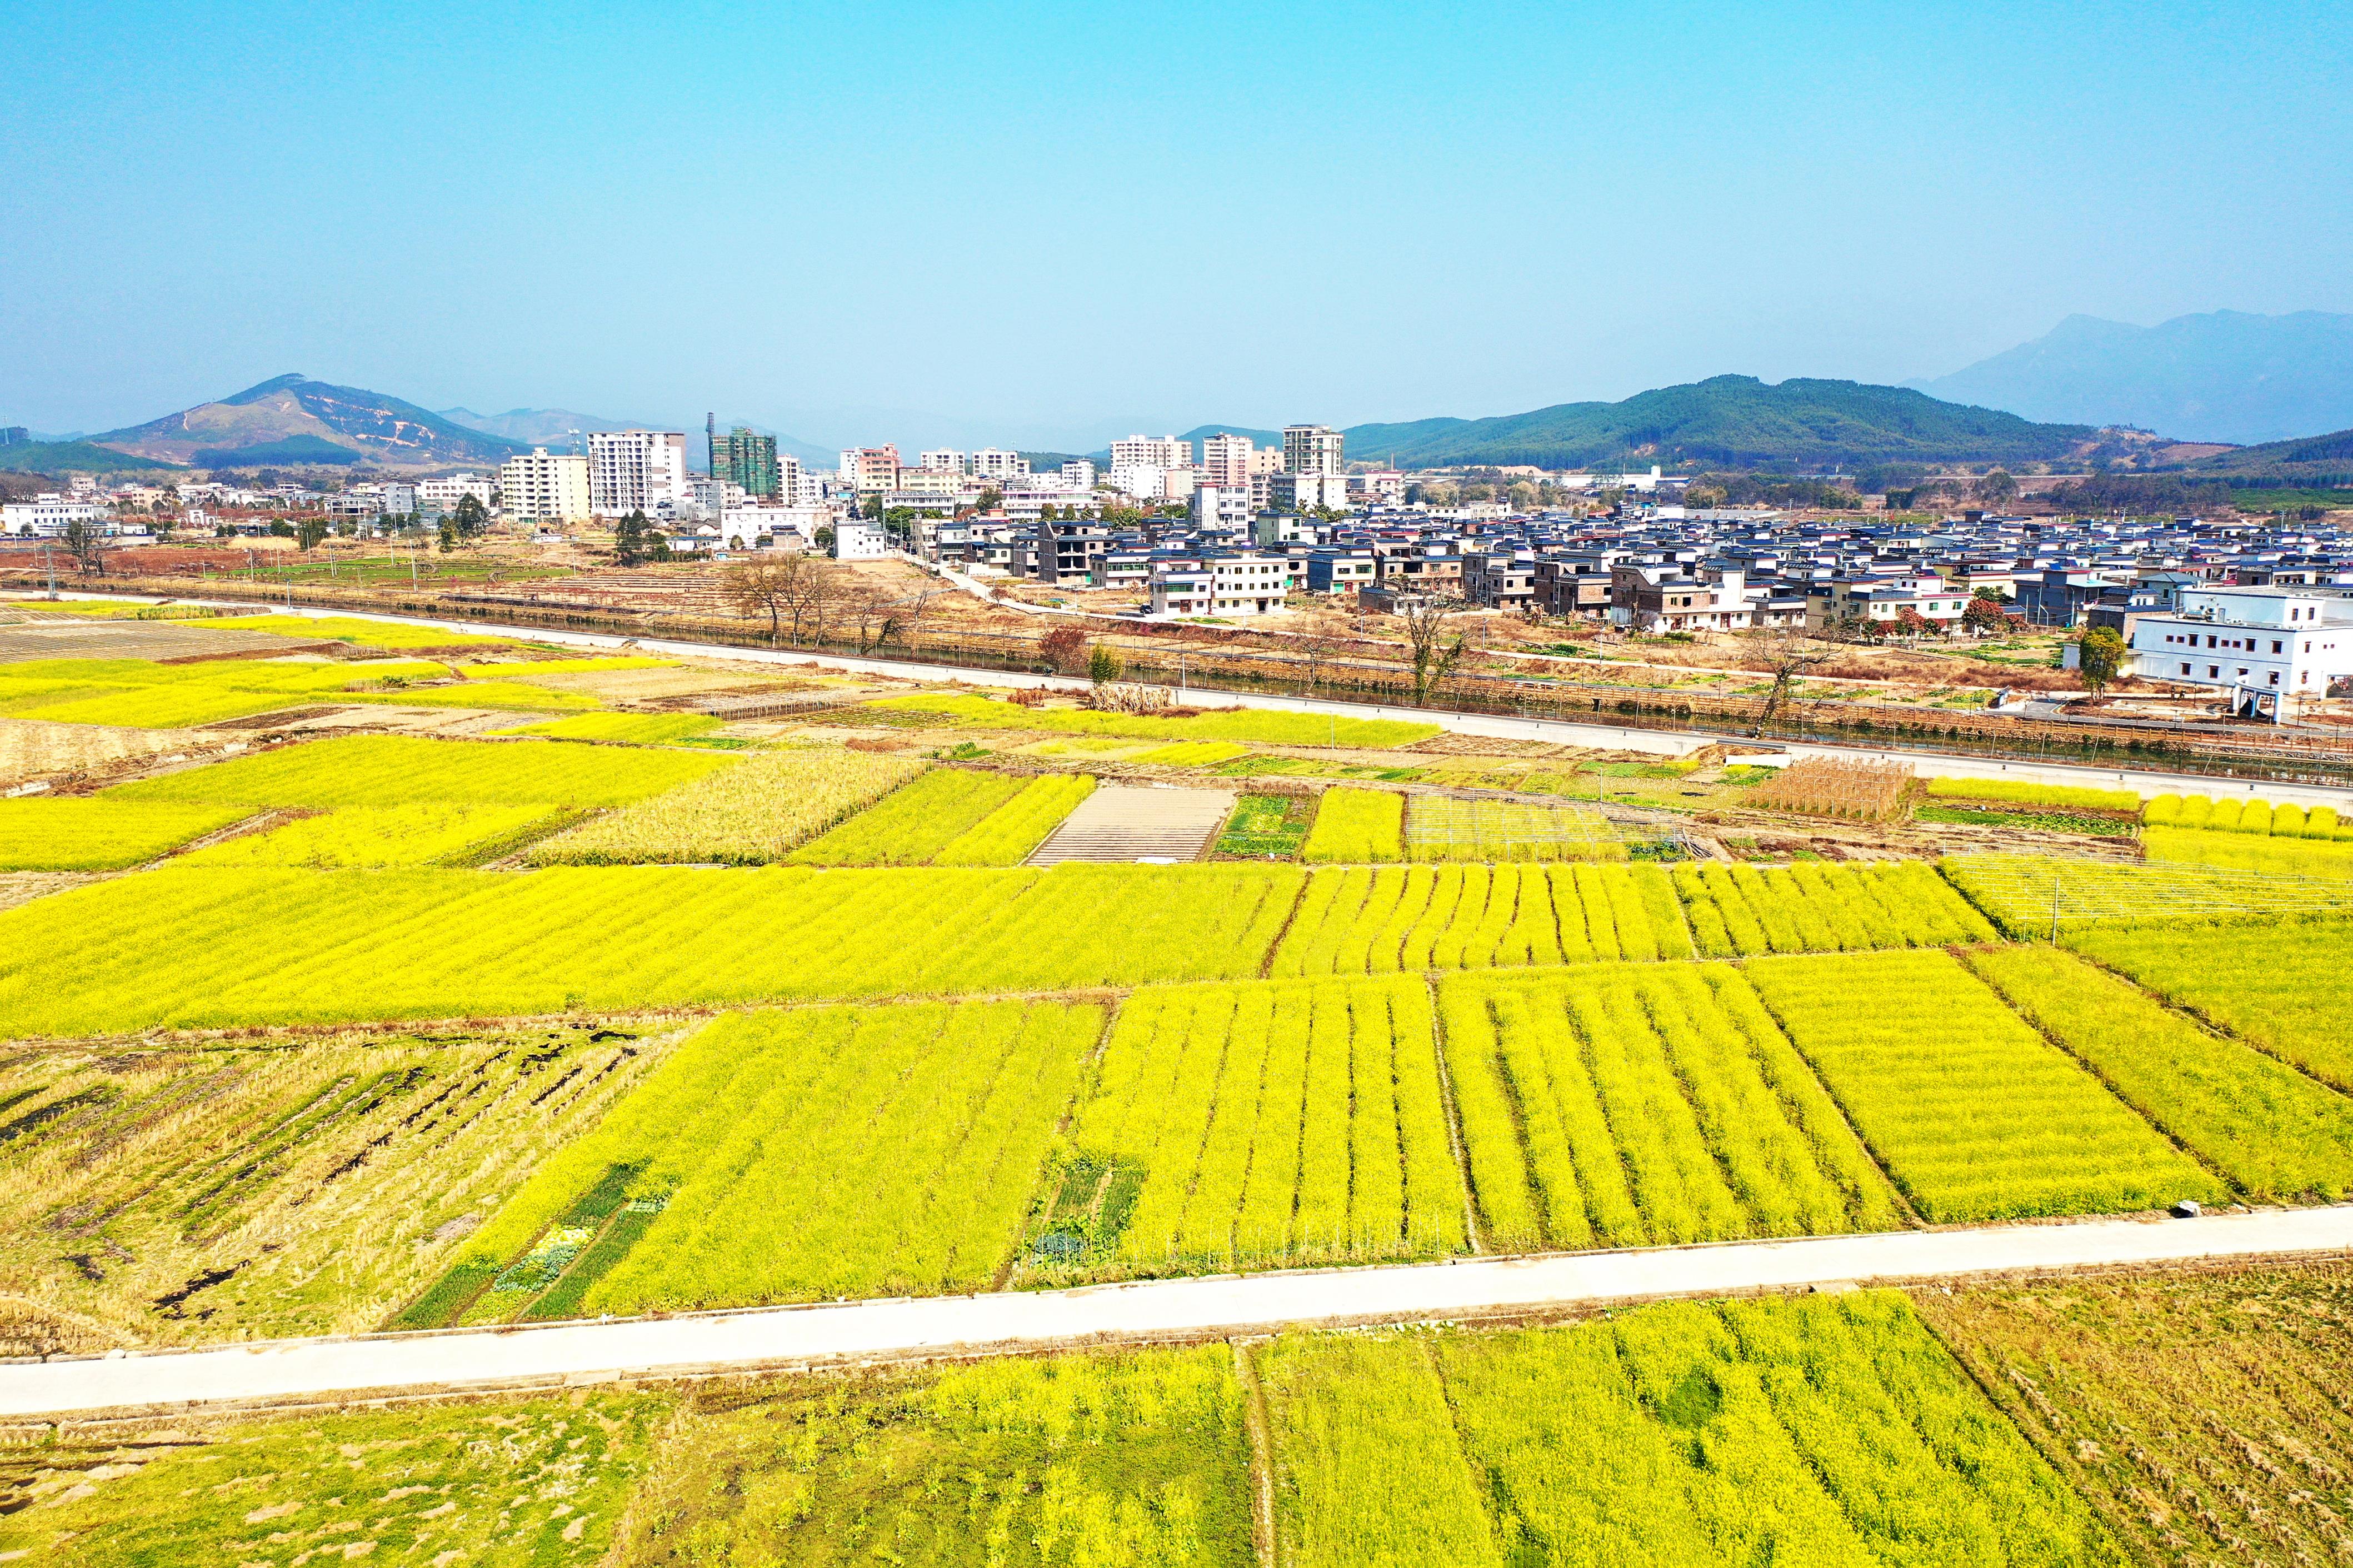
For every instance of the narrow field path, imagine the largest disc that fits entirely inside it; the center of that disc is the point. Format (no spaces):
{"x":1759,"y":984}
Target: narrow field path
{"x":1018,"y":1322}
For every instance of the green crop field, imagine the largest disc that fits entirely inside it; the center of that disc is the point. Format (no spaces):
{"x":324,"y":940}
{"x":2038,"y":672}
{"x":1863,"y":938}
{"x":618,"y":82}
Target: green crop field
{"x":1976,"y":1115}
{"x":1264,"y":1123}
{"x":790,"y":1156}
{"x":1379,"y":920}
{"x":1828,"y":1431}
{"x":388,"y":770}
{"x":100,"y":834}
{"x":1616,"y":1105}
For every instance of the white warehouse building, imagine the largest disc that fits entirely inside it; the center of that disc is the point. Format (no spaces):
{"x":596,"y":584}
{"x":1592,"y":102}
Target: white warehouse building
{"x":2286,"y":642}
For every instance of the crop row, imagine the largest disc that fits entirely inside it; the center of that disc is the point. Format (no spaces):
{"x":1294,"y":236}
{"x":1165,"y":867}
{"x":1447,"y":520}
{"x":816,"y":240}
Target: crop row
{"x":787,"y":1156}
{"x":1975,"y":1115}
{"x":384,"y":769}
{"x":2275,"y":856}
{"x":1006,"y":836}
{"x":2027,"y":794}
{"x":1377,"y":921}
{"x":1356,"y":827}
{"x":2257,"y":818}
{"x":147,"y":695}
{"x":2273,"y":1131}
{"x":358,"y":836}
{"x":1439,"y":828}
{"x":100,"y":834}
{"x":2278,"y":984}
{"x":206,"y":948}
{"x":1807,"y":907}
{"x":1632,"y":1106}
{"x":913,"y":823}
{"x":1270,"y":1123}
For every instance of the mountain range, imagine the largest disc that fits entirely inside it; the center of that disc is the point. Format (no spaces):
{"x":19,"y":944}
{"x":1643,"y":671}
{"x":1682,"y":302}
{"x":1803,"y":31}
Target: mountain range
{"x":292,"y":420}
{"x":2225,"y":376}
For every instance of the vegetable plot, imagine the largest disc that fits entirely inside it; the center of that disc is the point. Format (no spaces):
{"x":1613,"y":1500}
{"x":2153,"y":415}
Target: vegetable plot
{"x":1743,"y":910}
{"x":379,"y":770}
{"x":1635,"y":1106}
{"x":214,"y":948}
{"x":2274,"y":1132}
{"x":1975,"y":1115}
{"x":789,"y":1156}
{"x":99,"y":833}
{"x":1824,"y":1431}
{"x":1265,"y":1124}
{"x":1382,"y":920}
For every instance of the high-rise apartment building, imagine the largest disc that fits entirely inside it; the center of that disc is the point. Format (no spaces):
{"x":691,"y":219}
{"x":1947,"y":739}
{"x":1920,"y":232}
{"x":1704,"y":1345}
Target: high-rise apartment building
{"x":1152,"y":452}
{"x":989,"y":463}
{"x":544,"y":486}
{"x":635,"y":470}
{"x":945,"y":461}
{"x":1226,"y":461}
{"x":872,"y":468}
{"x":1311,"y":450}
{"x":746,"y":459}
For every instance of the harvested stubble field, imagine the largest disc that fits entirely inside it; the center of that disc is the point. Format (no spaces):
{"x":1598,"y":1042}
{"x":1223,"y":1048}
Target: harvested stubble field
{"x":1830,"y":1430}
{"x":2205,"y":1415}
{"x":759,"y":810}
{"x":1975,"y":1115}
{"x":1263,"y":1124}
{"x":211,"y":948}
{"x":1616,"y":1105}
{"x":274,"y":1187}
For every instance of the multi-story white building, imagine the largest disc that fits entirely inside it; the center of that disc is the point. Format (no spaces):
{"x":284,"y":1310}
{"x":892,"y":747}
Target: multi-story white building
{"x":2291,"y":642}
{"x":1145,"y":481}
{"x":1079,"y":474}
{"x":990,"y":463}
{"x":1226,"y":461}
{"x":544,"y":486}
{"x":1221,"y":585}
{"x":859,"y":542}
{"x":635,"y":470}
{"x":48,"y":515}
{"x":945,"y":461}
{"x":1150,"y":452}
{"x":1220,"y":506}
{"x":1311,"y":450}
{"x":865,"y":468}
{"x":444,"y":495}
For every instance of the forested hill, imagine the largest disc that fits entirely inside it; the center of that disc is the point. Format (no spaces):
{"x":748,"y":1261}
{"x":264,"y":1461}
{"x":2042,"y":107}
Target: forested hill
{"x":1727,"y":421}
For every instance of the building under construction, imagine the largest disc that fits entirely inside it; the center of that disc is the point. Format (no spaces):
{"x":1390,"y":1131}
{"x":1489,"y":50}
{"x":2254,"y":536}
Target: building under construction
{"x":748,"y":460}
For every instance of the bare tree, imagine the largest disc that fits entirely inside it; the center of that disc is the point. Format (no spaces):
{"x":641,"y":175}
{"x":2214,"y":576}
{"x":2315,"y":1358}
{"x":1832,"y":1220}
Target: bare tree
{"x":87,"y":545}
{"x":1316,"y":652}
{"x":1434,"y":658}
{"x":794,"y":590}
{"x":1791,"y":657}
{"x":874,"y":610}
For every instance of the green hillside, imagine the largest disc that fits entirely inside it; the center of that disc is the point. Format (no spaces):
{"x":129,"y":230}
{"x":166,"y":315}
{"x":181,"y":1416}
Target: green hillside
{"x":71,"y":457}
{"x":2324,"y":460}
{"x":1727,"y":421}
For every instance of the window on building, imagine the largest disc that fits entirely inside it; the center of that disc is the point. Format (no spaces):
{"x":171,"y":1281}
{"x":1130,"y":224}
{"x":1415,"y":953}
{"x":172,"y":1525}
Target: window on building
{"x":2185,"y":670}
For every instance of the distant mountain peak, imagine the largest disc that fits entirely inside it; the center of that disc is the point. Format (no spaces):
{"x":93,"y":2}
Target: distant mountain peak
{"x":2220,"y":375}
{"x":293,"y":419}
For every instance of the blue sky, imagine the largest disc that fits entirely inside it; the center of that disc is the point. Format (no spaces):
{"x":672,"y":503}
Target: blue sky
{"x":1024,"y":222}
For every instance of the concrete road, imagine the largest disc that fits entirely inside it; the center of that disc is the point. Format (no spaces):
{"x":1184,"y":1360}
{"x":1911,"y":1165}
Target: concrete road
{"x":1602,"y":737}
{"x":1164,"y":1310}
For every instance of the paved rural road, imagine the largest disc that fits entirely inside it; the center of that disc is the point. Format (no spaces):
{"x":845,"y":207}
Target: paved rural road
{"x":1605,"y":737}
{"x":1173,"y":1309}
